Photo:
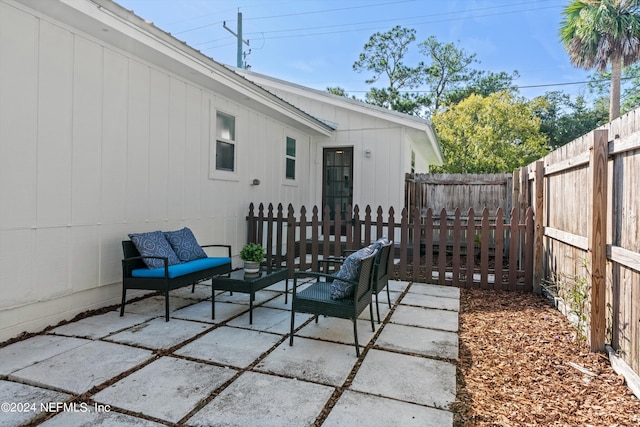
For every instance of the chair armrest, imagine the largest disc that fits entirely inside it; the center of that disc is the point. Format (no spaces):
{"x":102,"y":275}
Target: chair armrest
{"x":319,"y":275}
{"x":297,"y":274}
{"x":325,"y":262}
{"x":126,"y":264}
{"x":219,"y":246}
{"x":347,"y":252}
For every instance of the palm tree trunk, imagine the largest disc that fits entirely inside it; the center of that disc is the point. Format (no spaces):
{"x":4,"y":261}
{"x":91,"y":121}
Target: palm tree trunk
{"x":614,"y":103}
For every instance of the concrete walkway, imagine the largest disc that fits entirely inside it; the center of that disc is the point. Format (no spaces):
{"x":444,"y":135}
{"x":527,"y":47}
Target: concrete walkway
{"x":139,"y":370}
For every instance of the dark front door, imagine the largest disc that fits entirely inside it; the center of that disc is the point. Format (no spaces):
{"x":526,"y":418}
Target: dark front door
{"x":337,"y":179}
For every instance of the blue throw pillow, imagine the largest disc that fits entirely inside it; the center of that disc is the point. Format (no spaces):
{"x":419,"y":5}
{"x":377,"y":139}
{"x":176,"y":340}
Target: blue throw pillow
{"x":154,"y":244}
{"x":185,"y":245}
{"x":350,"y":270}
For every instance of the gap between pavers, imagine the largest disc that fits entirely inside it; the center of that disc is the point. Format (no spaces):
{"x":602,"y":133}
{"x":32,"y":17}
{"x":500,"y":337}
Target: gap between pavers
{"x":312,"y":360}
{"x":359,"y":409}
{"x":230,"y":346}
{"x":431,"y":301}
{"x":101,"y":418}
{"x":82,"y":368}
{"x":423,"y":317}
{"x":27,"y":352}
{"x":256,"y":399}
{"x":20,"y":395}
{"x":102,"y":325}
{"x":158,"y":334}
{"x":435,"y":290}
{"x":167,"y":388}
{"x":155,"y":305}
{"x":422,"y":341}
{"x":408,"y":378}
{"x":269,"y":320}
{"x":201,"y":312}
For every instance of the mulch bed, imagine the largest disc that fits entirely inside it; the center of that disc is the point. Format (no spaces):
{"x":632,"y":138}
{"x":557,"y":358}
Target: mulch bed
{"x":521,"y":364}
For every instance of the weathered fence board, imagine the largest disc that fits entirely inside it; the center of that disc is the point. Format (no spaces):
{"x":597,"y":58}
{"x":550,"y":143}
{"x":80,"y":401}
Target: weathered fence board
{"x":463,"y":191}
{"x":588,"y":223}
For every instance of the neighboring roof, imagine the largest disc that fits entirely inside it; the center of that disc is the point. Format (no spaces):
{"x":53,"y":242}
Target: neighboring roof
{"x":420,"y":130}
{"x":108,"y":21}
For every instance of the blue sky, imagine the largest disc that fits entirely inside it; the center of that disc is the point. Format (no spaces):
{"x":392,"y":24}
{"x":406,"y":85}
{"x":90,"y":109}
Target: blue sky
{"x":315,"y":42}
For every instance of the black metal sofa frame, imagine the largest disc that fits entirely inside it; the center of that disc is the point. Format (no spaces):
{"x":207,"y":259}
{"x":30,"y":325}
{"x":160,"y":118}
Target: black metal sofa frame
{"x":132,"y":261}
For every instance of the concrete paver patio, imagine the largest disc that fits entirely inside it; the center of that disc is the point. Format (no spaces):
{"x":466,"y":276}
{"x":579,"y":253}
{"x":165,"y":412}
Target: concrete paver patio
{"x":139,"y":370}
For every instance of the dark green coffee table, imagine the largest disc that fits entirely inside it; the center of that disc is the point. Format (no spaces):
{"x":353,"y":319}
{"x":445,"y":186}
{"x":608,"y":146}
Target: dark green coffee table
{"x":239,"y":281}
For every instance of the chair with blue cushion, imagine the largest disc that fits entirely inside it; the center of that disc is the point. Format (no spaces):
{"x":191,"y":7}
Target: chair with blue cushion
{"x":336,"y":295}
{"x":150,"y":263}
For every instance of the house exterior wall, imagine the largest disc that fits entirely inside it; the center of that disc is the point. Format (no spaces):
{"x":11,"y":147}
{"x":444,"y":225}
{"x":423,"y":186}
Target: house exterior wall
{"x":378,"y":179}
{"x":96,"y":144}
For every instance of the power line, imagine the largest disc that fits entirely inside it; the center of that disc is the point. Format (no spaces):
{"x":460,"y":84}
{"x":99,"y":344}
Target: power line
{"x":360,"y":29}
{"x":512,"y":87}
{"x":299,"y":14}
{"x":455,"y":13}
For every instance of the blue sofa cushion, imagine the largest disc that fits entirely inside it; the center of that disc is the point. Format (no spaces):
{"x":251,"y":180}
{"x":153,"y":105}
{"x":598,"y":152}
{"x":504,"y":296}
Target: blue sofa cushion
{"x":182,"y":269}
{"x":185,"y":245}
{"x":350,"y":270}
{"x":154,"y":244}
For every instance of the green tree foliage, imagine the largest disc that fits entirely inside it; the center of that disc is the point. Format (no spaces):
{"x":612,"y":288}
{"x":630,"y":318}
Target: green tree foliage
{"x":630,"y":87}
{"x":383,"y":55}
{"x":492,"y":134}
{"x":484,"y":84}
{"x":562,"y":119}
{"x":339,"y":92}
{"x":596,"y":33}
{"x":448,"y":70}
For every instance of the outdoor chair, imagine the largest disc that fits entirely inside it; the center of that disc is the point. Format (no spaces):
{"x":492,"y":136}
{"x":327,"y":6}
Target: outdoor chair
{"x":380,"y":270}
{"x":317,"y":298}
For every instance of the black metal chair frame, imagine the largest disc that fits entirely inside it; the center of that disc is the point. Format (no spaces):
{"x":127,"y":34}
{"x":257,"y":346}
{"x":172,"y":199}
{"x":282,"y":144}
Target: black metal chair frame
{"x":316,"y":298}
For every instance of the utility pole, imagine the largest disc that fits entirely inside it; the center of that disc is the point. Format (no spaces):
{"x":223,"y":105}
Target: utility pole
{"x":239,"y":37}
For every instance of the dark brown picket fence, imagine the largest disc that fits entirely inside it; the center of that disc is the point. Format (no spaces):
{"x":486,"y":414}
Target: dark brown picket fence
{"x":485,"y":251}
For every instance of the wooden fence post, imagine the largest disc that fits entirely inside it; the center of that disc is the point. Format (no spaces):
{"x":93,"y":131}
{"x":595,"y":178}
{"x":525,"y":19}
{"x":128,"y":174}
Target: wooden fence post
{"x":538,"y":237}
{"x":597,"y":238}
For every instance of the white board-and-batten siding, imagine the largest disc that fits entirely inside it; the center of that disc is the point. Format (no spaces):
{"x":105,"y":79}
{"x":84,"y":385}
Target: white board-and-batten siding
{"x":378,"y":178}
{"x":95,"y":144}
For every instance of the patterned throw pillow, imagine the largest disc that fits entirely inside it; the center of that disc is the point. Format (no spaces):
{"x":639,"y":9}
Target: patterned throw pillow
{"x":185,"y":244}
{"x":154,"y":244}
{"x":350,"y":270}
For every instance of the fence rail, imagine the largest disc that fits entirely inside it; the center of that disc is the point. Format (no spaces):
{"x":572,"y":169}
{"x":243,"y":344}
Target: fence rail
{"x":464,"y":191}
{"x":483,"y":251}
{"x":586,"y":250}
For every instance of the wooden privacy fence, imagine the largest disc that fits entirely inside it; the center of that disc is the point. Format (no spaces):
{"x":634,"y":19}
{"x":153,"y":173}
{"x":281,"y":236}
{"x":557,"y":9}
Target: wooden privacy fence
{"x":465,"y":191}
{"x":587,"y":242}
{"x":462,"y":251}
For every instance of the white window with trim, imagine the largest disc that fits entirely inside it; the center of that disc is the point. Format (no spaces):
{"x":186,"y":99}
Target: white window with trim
{"x":225,"y":142}
{"x":290,"y":159}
